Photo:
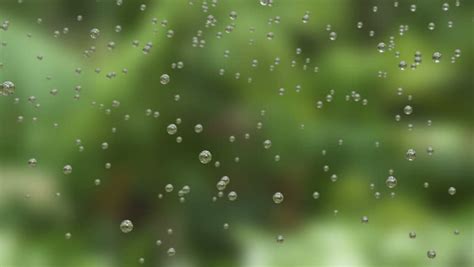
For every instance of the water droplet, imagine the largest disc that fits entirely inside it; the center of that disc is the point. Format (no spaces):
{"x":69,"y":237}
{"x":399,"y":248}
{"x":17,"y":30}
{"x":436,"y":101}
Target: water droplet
{"x":412,"y":235}
{"x":267,"y":144}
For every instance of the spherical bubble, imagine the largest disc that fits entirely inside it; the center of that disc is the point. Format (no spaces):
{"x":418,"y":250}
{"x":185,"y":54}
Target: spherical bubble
{"x":391,"y":182}
{"x":221,"y":185}
{"x":32,"y":162}
{"x":141,"y":260}
{"x":205,"y":157}
{"x":232,"y":196}
{"x":159,"y":242}
{"x":172,"y":129}
{"x":316,"y":195}
{"x":67,"y":235}
{"x":445,"y":7}
{"x":270,"y":35}
{"x":267,"y":144}
{"x":233,"y":15}
{"x":171,"y":252}
{"x":364,"y":219}
{"x":381,"y":47}
{"x":164,"y":79}
{"x":403,"y":65}
{"x":430,"y":150}
{"x":452,"y":191}
{"x":225,"y":179}
{"x":104,"y":145}
{"x":412,"y":235}
{"x":411,"y":154}
{"x":126,"y":226}
{"x":198,"y":128}
{"x":436,"y":57}
{"x":67,"y":169}
{"x":332,"y":36}
{"x":333,"y":178}
{"x":408,"y":110}
{"x":431,"y":254}
{"x":94,"y":33}
{"x":278,"y":198}
{"x":226,"y":226}
{"x":431,"y":26}
{"x":169,"y":188}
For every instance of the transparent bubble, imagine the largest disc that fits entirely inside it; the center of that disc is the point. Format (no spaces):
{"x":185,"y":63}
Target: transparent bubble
{"x":205,"y":157}
{"x":171,"y":252}
{"x":267,"y":144}
{"x":226,"y":226}
{"x":94,"y":33}
{"x":278,"y":198}
{"x":172,"y":129}
{"x":445,"y":7}
{"x":430,"y":150}
{"x":452,"y":191}
{"x":126,"y":226}
{"x":232,"y":196}
{"x":364,"y":219}
{"x":333,"y":178}
{"x":158,"y":242}
{"x":381,"y":47}
{"x":270,"y":35}
{"x":169,"y":188}
{"x":412,"y":235}
{"x":431,"y":254}
{"x":67,"y":169}
{"x":233,"y":15}
{"x":402,"y":65}
{"x":391,"y":181}
{"x":141,"y":260}
{"x":316,"y":195}
{"x":164,"y":79}
{"x":280,"y":239}
{"x":68,"y":236}
{"x":221,"y":185}
{"x":436,"y":57}
{"x":332,"y":36}
{"x":431,"y":26}
{"x":411,"y":154}
{"x":32,"y":162}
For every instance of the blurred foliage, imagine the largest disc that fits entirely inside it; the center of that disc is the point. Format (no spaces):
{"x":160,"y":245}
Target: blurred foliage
{"x":145,"y":158}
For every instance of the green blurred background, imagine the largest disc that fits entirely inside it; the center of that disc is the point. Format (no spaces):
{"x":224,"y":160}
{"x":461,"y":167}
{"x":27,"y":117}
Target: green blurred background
{"x":144,"y":158}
